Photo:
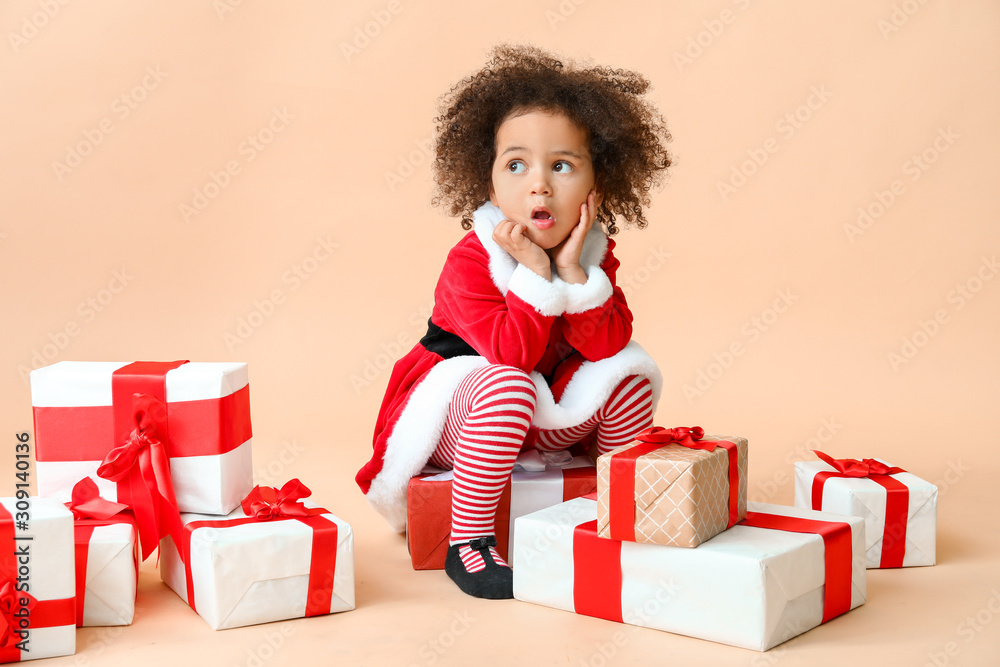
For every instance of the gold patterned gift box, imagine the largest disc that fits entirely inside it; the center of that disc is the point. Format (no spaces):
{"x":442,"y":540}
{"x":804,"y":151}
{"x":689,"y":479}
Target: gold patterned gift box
{"x":672,"y":486}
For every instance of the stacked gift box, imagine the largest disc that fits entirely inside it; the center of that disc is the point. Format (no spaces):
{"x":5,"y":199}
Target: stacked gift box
{"x":669,"y":541}
{"x":539,"y":480}
{"x":132,"y":456}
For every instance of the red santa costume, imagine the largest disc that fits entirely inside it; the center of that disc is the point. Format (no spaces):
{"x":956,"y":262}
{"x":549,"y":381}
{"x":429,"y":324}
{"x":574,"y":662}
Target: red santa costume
{"x":574,"y":340}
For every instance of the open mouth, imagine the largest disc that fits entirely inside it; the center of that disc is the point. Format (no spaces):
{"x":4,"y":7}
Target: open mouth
{"x":542,"y":217}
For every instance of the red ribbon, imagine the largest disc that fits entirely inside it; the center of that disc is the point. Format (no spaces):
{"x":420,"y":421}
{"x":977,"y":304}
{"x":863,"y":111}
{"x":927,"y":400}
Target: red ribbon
{"x":41,"y":613}
{"x":91,"y":511}
{"x":897,"y":500}
{"x":837,"y":557}
{"x":597,"y":573}
{"x":270,"y":504}
{"x":201,"y":427}
{"x":141,"y":467}
{"x":621,"y":494}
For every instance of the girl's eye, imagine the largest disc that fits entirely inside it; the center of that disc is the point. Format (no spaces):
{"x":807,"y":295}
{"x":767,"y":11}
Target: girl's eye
{"x":516,"y":167}
{"x":562,"y":167}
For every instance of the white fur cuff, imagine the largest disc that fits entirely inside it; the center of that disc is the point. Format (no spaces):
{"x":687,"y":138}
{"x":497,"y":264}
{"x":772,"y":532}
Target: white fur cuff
{"x":548,"y":298}
{"x":591,"y":294}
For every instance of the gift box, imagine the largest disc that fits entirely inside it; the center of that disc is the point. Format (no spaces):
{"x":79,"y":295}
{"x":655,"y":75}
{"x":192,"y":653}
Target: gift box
{"x":84,"y":411}
{"x":37,"y":601}
{"x":107,"y":558}
{"x":674,"y":487}
{"x":755,"y":585}
{"x":899,"y":508}
{"x":276,"y":557}
{"x":536,"y":483}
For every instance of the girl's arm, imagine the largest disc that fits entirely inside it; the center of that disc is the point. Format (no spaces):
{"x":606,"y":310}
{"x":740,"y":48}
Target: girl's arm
{"x":598,"y":328}
{"x":511,"y":329}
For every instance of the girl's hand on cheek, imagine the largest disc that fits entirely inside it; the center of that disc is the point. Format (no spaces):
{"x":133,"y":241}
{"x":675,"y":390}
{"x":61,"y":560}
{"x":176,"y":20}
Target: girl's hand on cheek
{"x":511,"y":237}
{"x":566,"y":255}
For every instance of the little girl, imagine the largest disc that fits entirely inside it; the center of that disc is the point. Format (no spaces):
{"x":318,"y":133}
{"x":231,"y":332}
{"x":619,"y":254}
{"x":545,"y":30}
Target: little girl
{"x":528,"y":344}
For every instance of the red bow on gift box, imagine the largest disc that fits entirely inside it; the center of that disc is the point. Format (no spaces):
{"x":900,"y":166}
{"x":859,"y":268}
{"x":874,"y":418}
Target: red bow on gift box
{"x":680,"y":435}
{"x":621,"y":497}
{"x":87,"y":502}
{"x":143,"y":465}
{"x":11,"y":612}
{"x":897,"y":500}
{"x":266,"y":502}
{"x":856,"y":468}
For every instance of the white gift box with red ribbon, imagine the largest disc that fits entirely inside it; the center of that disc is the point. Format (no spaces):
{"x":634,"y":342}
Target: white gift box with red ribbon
{"x":752,"y":587}
{"x":36,"y":570}
{"x":109,"y":571}
{"x":245,"y":571}
{"x":899,"y":510}
{"x":209,"y":428}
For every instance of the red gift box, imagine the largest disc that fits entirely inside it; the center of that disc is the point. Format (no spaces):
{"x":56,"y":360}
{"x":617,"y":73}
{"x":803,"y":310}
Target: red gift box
{"x":428,"y":506}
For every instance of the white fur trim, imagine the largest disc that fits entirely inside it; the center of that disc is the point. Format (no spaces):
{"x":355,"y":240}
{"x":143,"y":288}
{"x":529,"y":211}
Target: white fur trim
{"x":591,"y":386}
{"x":502,"y":265}
{"x":591,"y":294}
{"x":548,"y":298}
{"x":415,"y":436}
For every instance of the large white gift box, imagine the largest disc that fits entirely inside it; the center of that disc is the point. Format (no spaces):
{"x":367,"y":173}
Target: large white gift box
{"x":751,"y":587}
{"x":244,"y":570}
{"x":36,"y":560}
{"x":899,"y":509}
{"x":82,"y":410}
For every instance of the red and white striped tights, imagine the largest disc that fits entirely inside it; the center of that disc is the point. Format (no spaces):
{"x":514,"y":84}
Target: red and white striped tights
{"x":487,"y":422}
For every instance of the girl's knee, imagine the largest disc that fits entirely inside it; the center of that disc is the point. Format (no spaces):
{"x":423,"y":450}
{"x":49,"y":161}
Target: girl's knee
{"x":512,"y":377}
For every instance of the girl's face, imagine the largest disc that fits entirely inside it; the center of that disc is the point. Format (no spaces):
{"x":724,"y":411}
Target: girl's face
{"x":542,"y":174}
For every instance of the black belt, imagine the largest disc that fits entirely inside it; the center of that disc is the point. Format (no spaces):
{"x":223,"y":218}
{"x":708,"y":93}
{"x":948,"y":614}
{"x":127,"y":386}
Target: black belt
{"x":444,"y":343}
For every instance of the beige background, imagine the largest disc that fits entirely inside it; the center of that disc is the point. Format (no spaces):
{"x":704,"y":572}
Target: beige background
{"x":116,"y":113}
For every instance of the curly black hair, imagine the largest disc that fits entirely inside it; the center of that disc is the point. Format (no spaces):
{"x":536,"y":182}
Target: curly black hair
{"x":627,"y":134}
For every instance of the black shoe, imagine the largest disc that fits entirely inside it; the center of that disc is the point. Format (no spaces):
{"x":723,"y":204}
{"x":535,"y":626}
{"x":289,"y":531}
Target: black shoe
{"x":494,"y":582}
